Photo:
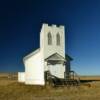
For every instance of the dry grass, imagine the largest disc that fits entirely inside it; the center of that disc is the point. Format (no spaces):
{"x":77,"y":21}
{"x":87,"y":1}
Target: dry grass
{"x":12,"y":90}
{"x":96,"y":78}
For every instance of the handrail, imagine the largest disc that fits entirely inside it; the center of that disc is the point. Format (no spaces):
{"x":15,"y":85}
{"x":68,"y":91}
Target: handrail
{"x":75,"y":76}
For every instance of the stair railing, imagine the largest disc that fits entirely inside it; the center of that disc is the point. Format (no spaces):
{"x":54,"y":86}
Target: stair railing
{"x":74,"y":76}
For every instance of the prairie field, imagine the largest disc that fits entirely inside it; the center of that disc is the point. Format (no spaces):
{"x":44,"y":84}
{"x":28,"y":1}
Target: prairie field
{"x":10,"y":89}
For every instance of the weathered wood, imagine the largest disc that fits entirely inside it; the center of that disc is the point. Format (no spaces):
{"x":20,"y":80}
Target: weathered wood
{"x":54,"y":81}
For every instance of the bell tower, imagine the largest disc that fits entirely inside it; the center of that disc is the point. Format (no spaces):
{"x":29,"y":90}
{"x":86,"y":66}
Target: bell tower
{"x":52,"y":40}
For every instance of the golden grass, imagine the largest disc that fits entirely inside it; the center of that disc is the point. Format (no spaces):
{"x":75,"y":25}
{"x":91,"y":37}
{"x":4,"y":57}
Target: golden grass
{"x":12,"y":90}
{"x":96,"y":78}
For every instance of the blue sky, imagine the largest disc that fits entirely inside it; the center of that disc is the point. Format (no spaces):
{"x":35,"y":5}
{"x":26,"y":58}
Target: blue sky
{"x":21,"y":21}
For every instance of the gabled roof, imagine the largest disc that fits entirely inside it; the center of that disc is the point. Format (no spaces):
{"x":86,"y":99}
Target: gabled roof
{"x":31,"y":54}
{"x":54,"y":57}
{"x":67,"y":57}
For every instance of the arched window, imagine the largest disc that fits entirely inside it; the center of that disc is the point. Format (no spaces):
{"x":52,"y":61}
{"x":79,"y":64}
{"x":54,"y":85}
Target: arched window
{"x":58,"y":39}
{"x":49,"y":39}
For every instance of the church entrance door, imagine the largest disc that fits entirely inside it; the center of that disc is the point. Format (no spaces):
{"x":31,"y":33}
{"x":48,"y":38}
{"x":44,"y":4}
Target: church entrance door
{"x":55,"y":69}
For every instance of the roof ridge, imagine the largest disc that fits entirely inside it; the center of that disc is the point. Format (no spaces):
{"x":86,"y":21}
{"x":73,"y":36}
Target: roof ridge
{"x":31,"y":54}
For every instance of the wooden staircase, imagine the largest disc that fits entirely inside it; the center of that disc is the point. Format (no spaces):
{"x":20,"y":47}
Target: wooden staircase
{"x":71,"y":79}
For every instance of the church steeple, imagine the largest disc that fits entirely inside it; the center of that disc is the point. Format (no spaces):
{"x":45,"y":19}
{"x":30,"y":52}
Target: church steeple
{"x":52,"y":40}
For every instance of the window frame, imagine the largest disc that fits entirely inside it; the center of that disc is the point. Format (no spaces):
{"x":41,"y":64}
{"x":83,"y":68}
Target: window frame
{"x":49,"y":38}
{"x":58,"y":39}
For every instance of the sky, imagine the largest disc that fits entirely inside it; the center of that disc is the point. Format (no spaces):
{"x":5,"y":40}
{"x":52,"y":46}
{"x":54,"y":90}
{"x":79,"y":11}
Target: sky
{"x":20,"y":25}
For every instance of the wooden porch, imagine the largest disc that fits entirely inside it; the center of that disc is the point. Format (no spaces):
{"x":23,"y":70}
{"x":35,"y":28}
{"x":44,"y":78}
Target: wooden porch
{"x":71,"y":79}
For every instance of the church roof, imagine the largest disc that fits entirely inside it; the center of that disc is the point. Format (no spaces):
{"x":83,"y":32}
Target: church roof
{"x":68,"y":57}
{"x":31,"y":54}
{"x":55,"y":56}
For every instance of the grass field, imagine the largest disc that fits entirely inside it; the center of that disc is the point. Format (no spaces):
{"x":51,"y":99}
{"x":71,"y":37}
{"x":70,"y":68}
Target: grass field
{"x":10,"y":89}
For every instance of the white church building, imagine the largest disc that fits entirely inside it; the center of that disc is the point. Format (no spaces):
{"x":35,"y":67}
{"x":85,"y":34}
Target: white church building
{"x":49,"y":57}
